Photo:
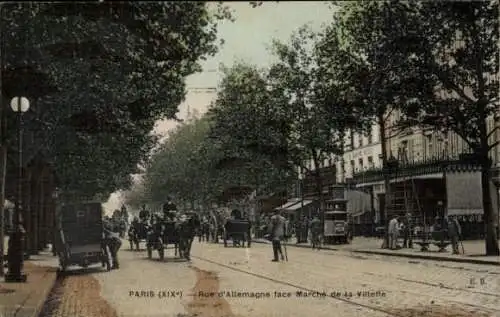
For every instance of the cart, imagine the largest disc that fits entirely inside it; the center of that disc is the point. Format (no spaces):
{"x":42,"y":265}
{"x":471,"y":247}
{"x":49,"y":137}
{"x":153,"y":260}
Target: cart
{"x":80,"y":228}
{"x":237,"y":230}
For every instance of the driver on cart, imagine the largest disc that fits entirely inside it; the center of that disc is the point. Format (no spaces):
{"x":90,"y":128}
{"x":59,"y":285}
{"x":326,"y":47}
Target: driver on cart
{"x":144,"y":214}
{"x":169,"y":209}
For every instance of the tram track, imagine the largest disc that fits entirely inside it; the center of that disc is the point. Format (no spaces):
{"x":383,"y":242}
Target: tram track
{"x":420,"y":294}
{"x":346,"y":300}
{"x":437,"y":285}
{"x":299,"y":287}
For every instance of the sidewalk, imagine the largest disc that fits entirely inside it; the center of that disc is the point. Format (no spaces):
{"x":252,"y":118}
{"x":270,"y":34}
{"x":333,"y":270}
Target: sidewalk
{"x":474,"y":251}
{"x":27,"y":299}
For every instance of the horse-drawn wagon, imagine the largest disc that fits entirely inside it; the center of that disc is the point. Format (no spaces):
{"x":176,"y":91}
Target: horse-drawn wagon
{"x":179,"y":233}
{"x":137,"y":233}
{"x":237,"y":230}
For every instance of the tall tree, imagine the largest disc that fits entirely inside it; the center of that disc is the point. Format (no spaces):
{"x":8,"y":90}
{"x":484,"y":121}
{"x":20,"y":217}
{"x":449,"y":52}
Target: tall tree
{"x":117,"y":67}
{"x":372,"y":69}
{"x":319,"y":108}
{"x":455,"y":50}
{"x":249,"y":127}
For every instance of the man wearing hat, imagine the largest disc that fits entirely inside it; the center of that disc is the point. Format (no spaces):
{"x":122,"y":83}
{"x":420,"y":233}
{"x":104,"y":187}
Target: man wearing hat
{"x":144,"y":214}
{"x":277,"y":232}
{"x":113,"y":242}
{"x":169,"y":209}
{"x":316,"y":230}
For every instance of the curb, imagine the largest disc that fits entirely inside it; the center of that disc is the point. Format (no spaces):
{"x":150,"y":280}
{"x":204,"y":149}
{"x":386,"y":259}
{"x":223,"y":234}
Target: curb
{"x":402,"y":255}
{"x":46,"y":293}
{"x":430,"y":257}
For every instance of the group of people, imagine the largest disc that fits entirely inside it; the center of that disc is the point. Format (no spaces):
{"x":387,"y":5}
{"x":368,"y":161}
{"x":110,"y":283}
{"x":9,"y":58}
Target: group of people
{"x":279,"y":229}
{"x":306,"y":229}
{"x":309,"y":228}
{"x":402,"y":227}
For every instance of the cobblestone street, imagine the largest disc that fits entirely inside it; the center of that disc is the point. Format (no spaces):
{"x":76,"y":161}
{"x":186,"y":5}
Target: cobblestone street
{"x":227,"y":282}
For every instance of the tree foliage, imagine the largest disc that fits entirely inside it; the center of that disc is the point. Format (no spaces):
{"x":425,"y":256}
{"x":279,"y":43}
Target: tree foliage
{"x":185,"y":168}
{"x":456,"y":47}
{"x":116,"y":69}
{"x":435,"y":61}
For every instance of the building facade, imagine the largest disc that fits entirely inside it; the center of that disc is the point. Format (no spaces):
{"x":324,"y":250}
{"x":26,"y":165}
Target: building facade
{"x":434,"y":175}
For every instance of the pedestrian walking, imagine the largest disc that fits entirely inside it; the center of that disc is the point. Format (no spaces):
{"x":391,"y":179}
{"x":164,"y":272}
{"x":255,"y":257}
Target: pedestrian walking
{"x":277,"y":233}
{"x":393,"y":233}
{"x":113,"y":243}
{"x":454,"y":232}
{"x":407,"y":231}
{"x":315,"y":226}
{"x":304,"y":227}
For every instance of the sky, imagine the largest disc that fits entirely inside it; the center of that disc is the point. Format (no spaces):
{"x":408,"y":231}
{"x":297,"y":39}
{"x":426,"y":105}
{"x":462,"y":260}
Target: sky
{"x":246,"y":39}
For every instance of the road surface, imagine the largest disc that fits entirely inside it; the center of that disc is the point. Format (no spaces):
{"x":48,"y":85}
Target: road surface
{"x":234,"y":282}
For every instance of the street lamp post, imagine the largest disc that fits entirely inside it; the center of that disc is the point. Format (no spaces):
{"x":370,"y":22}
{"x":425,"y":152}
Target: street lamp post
{"x":16,"y":254}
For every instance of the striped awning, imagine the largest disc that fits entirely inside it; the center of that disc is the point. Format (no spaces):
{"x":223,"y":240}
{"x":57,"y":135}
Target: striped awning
{"x":402,"y":179}
{"x":358,"y":202}
{"x":463,"y":192}
{"x":298,"y":205}
{"x":289,"y":203}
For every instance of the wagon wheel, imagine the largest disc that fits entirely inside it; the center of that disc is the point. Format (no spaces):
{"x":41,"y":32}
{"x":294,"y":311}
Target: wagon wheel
{"x":63,"y":265}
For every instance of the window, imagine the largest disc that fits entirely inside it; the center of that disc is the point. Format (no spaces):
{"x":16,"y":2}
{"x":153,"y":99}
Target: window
{"x":360,"y":161}
{"x":370,"y":136}
{"x":352,"y":139}
{"x":370,"y":162}
{"x":353,"y":166}
{"x":429,"y":147}
{"x":360,"y":139}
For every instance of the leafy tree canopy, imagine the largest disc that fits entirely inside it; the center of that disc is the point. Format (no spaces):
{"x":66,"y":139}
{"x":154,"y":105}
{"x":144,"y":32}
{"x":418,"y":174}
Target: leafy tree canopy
{"x":116,"y":69}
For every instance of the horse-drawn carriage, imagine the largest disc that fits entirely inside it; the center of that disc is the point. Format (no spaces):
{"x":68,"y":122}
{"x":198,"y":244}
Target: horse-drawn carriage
{"x":179,"y":233}
{"x":238,"y":230}
{"x":137,"y":233}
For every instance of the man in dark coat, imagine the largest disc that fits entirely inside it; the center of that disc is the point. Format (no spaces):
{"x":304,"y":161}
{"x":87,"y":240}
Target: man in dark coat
{"x":454,"y":232}
{"x":277,"y":232}
{"x":113,"y":242}
{"x":304,"y":228}
{"x":407,"y":231}
{"x":169,"y":209}
{"x":144,"y":214}
{"x":316,"y":231}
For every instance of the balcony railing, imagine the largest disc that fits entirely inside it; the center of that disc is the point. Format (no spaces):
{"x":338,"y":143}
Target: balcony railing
{"x":415,"y":168}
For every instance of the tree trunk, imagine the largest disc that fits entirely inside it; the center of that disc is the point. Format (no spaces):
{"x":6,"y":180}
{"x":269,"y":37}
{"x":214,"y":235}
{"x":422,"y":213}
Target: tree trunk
{"x":387,"y":179}
{"x":491,"y":239}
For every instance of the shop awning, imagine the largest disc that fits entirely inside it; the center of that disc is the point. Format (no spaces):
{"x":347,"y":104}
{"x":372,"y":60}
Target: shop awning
{"x":464,"y":194}
{"x":289,"y":203}
{"x":358,"y":202}
{"x":401,"y":179}
{"x":298,"y":205}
